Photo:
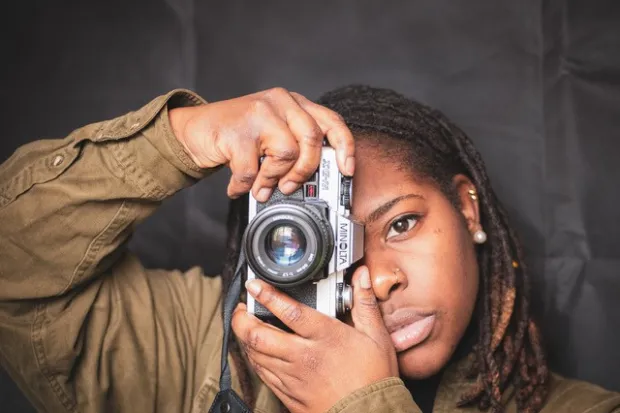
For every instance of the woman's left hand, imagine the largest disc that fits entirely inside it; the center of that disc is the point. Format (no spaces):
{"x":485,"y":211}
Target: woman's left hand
{"x":326,"y":359}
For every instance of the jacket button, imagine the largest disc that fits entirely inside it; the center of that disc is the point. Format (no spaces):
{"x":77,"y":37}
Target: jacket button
{"x":58,"y":159}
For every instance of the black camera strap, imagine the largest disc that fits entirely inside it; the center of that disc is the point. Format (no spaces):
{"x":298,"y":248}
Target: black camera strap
{"x":226,"y":400}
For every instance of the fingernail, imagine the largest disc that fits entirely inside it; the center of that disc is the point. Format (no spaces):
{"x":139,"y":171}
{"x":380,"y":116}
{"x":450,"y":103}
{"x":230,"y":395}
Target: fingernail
{"x":365,"y":279}
{"x":349,"y":165}
{"x":263,"y":194}
{"x":288,"y":187}
{"x":253,"y":287}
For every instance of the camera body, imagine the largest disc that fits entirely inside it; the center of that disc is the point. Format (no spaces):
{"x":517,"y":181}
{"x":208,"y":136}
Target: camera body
{"x":304,"y":242}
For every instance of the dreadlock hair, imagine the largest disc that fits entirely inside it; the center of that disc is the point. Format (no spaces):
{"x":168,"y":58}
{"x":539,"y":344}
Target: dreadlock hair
{"x":508,"y":349}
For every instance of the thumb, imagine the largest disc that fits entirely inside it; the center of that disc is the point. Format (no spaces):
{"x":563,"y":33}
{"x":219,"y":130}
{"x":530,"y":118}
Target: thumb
{"x":365,"y":313}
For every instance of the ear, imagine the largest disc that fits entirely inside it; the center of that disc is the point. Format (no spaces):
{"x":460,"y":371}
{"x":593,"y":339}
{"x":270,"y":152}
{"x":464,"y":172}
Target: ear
{"x":468,"y":201}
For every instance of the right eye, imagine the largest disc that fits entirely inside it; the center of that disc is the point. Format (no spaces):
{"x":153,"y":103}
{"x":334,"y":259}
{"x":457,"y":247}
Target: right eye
{"x":402,"y":225}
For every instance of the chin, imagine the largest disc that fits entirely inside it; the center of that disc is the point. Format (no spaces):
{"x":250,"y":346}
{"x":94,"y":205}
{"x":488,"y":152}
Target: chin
{"x":422,"y":361}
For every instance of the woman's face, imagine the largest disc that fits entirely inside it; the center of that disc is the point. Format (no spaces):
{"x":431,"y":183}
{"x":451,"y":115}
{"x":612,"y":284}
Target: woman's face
{"x":421,"y":258}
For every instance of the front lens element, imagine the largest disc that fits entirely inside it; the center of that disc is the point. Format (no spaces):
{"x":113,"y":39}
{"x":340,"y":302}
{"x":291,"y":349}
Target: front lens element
{"x":285,"y":244}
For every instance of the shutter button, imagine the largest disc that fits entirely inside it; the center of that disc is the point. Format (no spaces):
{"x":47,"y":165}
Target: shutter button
{"x":58,"y":159}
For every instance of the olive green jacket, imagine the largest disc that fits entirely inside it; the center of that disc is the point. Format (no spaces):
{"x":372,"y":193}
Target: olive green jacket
{"x":84,"y":327}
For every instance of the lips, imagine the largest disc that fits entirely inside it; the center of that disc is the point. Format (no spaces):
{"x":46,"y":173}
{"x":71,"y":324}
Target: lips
{"x":408,"y":327}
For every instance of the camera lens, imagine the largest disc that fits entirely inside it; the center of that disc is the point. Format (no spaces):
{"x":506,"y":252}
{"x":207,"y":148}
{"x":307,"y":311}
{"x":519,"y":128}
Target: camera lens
{"x":285,"y":244}
{"x":289,"y":243}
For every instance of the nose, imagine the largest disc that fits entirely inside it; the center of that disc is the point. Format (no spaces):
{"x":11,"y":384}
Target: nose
{"x":385,"y":281}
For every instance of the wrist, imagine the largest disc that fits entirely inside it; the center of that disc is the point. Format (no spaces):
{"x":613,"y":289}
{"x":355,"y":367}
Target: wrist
{"x":178,"y":121}
{"x":179,"y":118}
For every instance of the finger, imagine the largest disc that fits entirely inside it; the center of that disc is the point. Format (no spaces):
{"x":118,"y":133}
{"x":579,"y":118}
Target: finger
{"x":310,"y":140}
{"x":281,"y":151}
{"x":257,"y":336}
{"x":277,"y":385}
{"x":365,"y":313}
{"x":244,"y":307}
{"x":274,"y":364}
{"x":244,"y":168}
{"x":303,"y":320}
{"x":336,"y":131}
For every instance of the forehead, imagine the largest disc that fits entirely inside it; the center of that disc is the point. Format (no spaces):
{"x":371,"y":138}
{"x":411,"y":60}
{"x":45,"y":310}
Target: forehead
{"x":380,"y":178}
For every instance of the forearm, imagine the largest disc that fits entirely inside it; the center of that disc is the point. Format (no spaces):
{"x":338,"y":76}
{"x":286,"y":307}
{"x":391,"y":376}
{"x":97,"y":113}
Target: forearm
{"x":68,"y":205}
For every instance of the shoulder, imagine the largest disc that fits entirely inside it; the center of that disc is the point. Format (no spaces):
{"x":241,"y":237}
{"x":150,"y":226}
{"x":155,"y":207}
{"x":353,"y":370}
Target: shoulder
{"x":567,"y":395}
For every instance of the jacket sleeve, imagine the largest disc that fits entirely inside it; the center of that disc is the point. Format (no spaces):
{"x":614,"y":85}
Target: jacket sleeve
{"x":386,"y":396}
{"x":83,"y":326}
{"x":67,"y":205}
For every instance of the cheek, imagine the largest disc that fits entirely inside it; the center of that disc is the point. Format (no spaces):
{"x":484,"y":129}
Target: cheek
{"x":442,"y":268}
{"x":463,"y":264}
{"x":460,"y":280}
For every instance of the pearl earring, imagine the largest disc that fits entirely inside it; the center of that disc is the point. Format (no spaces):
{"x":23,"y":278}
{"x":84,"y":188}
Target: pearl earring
{"x":480,"y":236}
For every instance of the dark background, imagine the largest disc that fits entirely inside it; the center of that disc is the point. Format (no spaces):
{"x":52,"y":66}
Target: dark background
{"x":536,"y":84}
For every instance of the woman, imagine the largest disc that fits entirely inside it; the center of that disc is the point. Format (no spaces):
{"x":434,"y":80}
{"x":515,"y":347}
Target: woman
{"x":84,"y":327}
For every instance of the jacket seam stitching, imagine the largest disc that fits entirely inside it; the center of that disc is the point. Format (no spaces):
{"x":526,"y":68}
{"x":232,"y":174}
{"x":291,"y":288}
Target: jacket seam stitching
{"x":39,"y":350}
{"x":139,"y":178}
{"x":98,"y":241}
{"x":8,"y":193}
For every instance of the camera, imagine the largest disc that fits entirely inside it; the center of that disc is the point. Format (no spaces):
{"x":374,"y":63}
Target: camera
{"x":303,"y":243}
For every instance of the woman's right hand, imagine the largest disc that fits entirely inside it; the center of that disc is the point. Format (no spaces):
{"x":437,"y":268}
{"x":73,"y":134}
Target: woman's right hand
{"x":284,"y":127}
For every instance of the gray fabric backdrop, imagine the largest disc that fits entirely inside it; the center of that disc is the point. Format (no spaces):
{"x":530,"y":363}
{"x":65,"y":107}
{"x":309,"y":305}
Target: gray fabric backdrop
{"x":535,"y":83}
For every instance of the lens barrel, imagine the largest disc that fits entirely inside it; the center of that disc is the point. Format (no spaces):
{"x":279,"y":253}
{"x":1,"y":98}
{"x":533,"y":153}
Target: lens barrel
{"x":288,"y":243}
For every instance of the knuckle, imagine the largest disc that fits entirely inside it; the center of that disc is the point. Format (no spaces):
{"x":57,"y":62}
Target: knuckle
{"x":286,"y":155}
{"x":335,"y":117}
{"x":292,"y":313}
{"x":277,"y":92}
{"x":245,"y":347}
{"x":368,"y":301}
{"x":254,"y":339}
{"x":296,"y":95}
{"x":312,"y":136}
{"x":260,"y":107}
{"x":246,"y":176}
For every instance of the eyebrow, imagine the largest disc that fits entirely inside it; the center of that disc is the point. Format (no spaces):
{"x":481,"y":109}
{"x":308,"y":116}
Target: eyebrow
{"x":384,"y":208}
